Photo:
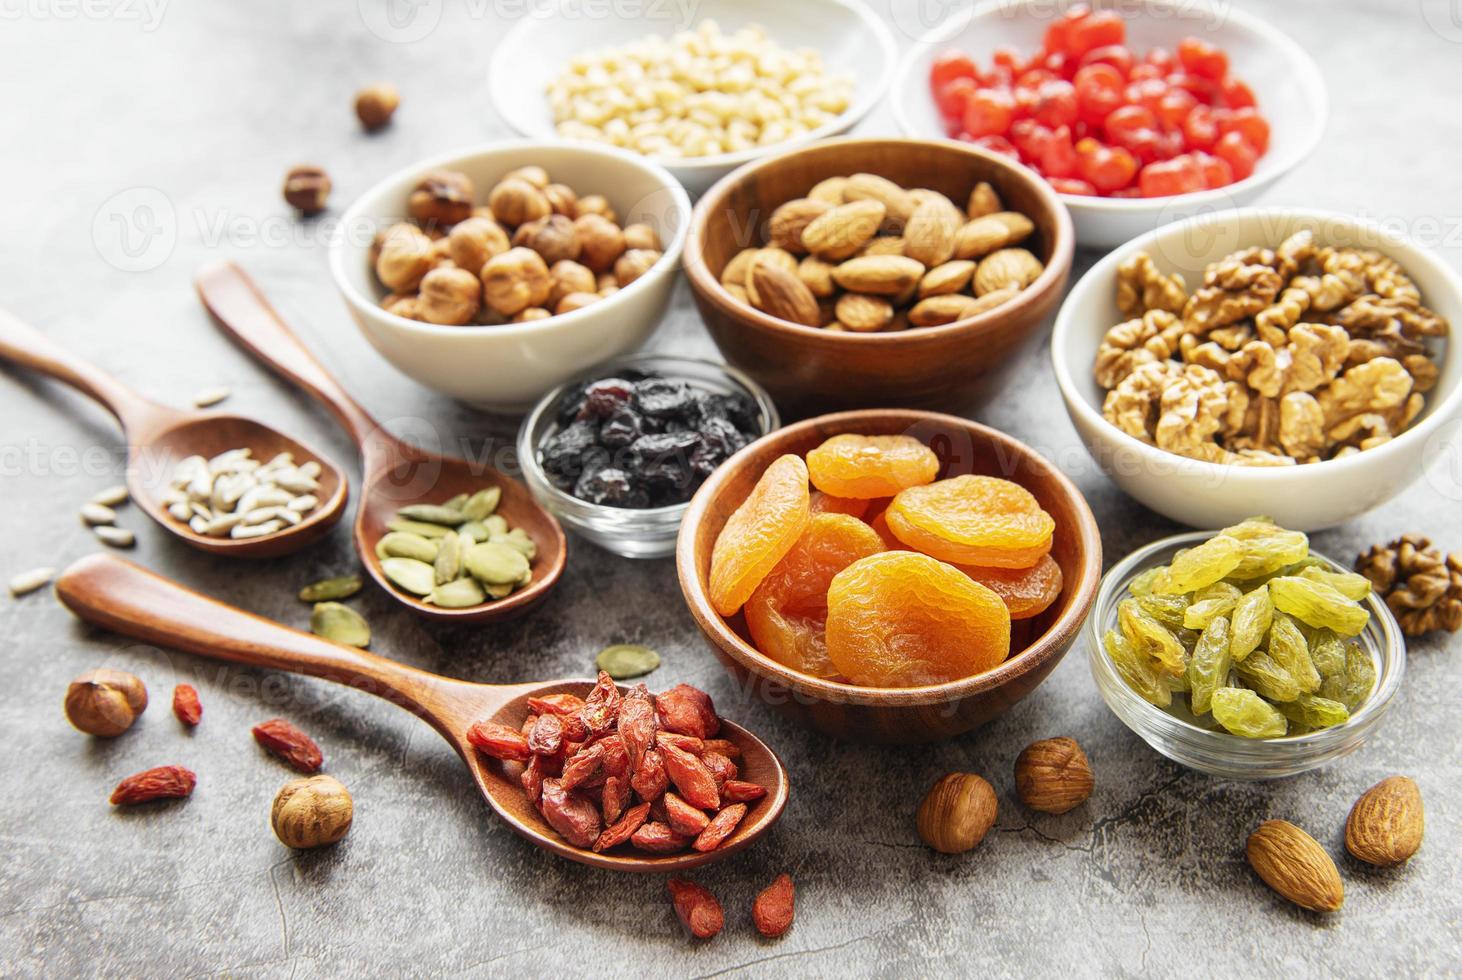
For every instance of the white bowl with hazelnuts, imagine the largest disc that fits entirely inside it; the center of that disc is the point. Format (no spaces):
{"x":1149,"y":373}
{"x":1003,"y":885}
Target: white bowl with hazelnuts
{"x":494,"y":274}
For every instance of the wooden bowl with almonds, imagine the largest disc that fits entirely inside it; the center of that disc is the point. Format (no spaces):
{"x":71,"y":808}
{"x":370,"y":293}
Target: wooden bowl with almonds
{"x":878,"y":272}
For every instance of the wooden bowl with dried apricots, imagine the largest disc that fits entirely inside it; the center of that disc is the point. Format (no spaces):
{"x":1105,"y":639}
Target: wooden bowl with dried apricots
{"x":889,"y":575}
{"x":897,"y":272}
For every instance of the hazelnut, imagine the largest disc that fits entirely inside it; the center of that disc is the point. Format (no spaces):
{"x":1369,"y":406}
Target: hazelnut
{"x":562,"y":199}
{"x":376,"y":105}
{"x":633,"y":264}
{"x":441,"y":253}
{"x":554,"y":237}
{"x":641,"y":235}
{"x":596,"y":204}
{"x":603,"y":281}
{"x":515,"y":202}
{"x":536,"y":176}
{"x":1053,"y":775}
{"x":532,"y":313}
{"x":406,"y":255}
{"x":575,"y":301}
{"x":957,"y":814}
{"x":449,"y":296}
{"x":570,"y":277}
{"x":306,"y":187}
{"x":474,"y":241}
{"x":403,"y":306}
{"x":312,"y":812}
{"x":515,"y":280}
{"x":600,"y":241}
{"x":105,"y":702}
{"x":442,"y":197}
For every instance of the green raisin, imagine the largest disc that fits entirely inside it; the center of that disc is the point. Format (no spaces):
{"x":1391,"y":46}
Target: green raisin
{"x":1209,"y":602}
{"x":1150,"y":638}
{"x":1251,"y":619}
{"x":1208,"y":668}
{"x":1318,"y":604}
{"x":1166,"y":609}
{"x":1143,"y":583}
{"x":1203,"y":565}
{"x":1313,"y":712}
{"x":1327,"y":651}
{"x":1287,"y":648}
{"x":1245,"y":713}
{"x":1136,"y":669}
{"x":1260,"y":672}
{"x":1354,"y":684}
{"x":1354,"y":587}
{"x":1267,"y":547}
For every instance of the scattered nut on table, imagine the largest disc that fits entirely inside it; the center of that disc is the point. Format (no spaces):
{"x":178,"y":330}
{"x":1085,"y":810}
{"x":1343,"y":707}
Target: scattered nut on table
{"x":376,"y":104}
{"x":105,"y":702}
{"x":307,"y":188}
{"x":312,"y":812}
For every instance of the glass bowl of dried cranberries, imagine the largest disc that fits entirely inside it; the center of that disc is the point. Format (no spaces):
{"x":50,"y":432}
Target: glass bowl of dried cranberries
{"x":1243,"y":654}
{"x":617,"y":453}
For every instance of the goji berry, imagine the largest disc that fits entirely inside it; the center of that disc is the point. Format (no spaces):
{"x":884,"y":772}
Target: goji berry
{"x":773,"y":910}
{"x":697,"y":909}
{"x":546,"y":736}
{"x":624,"y":828}
{"x":657,"y":838}
{"x":614,"y":797}
{"x":691,"y":778}
{"x":161,"y":783}
{"x":724,"y":746}
{"x":583,"y":766}
{"x":637,"y":724}
{"x":682,"y":817}
{"x":720,"y":827}
{"x":687,"y":743}
{"x":721,"y":767}
{"x":687,"y":711}
{"x":650,"y":779}
{"x":574,"y":817}
{"x":490,"y":738}
{"x":737,"y":791}
{"x":186,"y":705}
{"x":293,"y":746}
{"x":532,"y":779}
{"x":601,"y":707}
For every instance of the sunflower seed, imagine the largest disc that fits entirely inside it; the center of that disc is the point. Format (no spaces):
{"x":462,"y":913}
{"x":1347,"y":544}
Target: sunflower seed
{"x":275,"y":494}
{"x":625,"y":660}
{"x":244,"y":531}
{"x":111,"y":496}
{"x":340,"y":624}
{"x":94,"y":514}
{"x":416,"y":577}
{"x":325,"y":590}
{"x":180,"y":511}
{"x":304,"y":504}
{"x":30,"y":581}
{"x":117,"y":537}
{"x":210,"y":397}
{"x":311,"y":469}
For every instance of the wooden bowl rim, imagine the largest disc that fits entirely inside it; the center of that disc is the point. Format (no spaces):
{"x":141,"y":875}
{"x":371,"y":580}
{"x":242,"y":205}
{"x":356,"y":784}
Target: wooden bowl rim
{"x":1057,"y":638}
{"x":1057,"y":269}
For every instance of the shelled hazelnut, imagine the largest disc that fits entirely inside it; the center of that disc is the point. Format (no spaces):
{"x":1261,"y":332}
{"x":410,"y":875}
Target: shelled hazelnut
{"x":312,"y":812}
{"x":376,"y":104}
{"x":105,"y":702}
{"x":306,"y":188}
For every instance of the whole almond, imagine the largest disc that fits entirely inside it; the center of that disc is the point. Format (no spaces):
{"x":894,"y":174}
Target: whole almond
{"x":884,"y":245}
{"x":1385,"y":825}
{"x":779,"y":293}
{"x":1007,"y":267}
{"x":931,"y":232}
{"x":983,"y":200}
{"x":740,"y":264}
{"x":863,"y":314}
{"x":982,"y":236}
{"x":781,"y":258}
{"x":830,"y":190}
{"x":895,"y":200}
{"x":881,"y":275}
{"x":951,"y":277}
{"x":839,"y":232}
{"x":923,"y":195}
{"x":1053,"y":775}
{"x":936,"y":311}
{"x":789,"y":220}
{"x":817,"y":275}
{"x":1295,"y":865}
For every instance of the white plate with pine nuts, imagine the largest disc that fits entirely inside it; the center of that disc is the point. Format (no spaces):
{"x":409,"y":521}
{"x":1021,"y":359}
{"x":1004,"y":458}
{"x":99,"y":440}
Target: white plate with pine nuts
{"x":851,"y":44}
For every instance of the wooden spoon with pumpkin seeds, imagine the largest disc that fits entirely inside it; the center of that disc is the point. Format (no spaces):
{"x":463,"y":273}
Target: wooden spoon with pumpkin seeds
{"x":405,"y":490}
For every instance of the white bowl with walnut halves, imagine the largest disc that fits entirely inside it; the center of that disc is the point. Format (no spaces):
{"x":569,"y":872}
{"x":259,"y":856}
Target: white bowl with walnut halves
{"x":1274,"y":361}
{"x":495,"y":274}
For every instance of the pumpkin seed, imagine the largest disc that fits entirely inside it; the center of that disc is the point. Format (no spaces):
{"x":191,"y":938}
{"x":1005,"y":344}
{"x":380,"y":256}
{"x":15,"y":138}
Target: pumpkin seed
{"x":416,"y":577}
{"x":340,"y":624}
{"x":458,"y":594}
{"x":340,"y":587}
{"x":500,"y":591}
{"x":210,"y":397}
{"x":30,"y":581}
{"x":111,"y":496}
{"x":399,"y":544}
{"x":482,"y":503}
{"x":422,"y":529}
{"x":94,"y":514}
{"x":496,"y":564}
{"x":497,"y":526}
{"x":457,"y":502}
{"x":117,"y":537}
{"x":518,"y":540}
{"x":432,"y":514}
{"x":624,"y":660}
{"x":449,"y":558}
{"x":474,"y":531}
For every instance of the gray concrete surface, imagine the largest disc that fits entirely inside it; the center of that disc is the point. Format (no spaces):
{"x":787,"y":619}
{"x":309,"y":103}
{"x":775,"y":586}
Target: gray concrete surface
{"x":185,"y":123}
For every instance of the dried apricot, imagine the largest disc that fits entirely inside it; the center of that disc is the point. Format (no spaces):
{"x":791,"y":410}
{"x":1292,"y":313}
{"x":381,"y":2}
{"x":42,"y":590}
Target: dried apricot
{"x":880,"y":528}
{"x":864,"y":467}
{"x":787,"y":614}
{"x":826,"y":503}
{"x":1026,"y":592}
{"x":973,"y":520}
{"x":759,"y":534}
{"x":900,"y":619}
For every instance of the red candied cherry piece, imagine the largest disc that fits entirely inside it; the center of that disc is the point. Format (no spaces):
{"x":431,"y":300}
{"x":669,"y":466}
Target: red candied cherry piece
{"x":1098,"y":92}
{"x":952,"y":97}
{"x":1119,"y":56}
{"x":1168,"y":178}
{"x":1161,"y":58}
{"x":989,"y":112}
{"x":1200,"y":58}
{"x":1101,"y":29}
{"x":1174,"y":107}
{"x":1216,"y":171}
{"x":995,"y":144}
{"x":1237,"y":94}
{"x":1200,"y":129}
{"x":1104,"y":167}
{"x":1057,"y":38}
{"x":1071,"y":185}
{"x":1055,"y":103}
{"x":949,"y":65}
{"x":1236,"y":151}
{"x":1248,"y":124}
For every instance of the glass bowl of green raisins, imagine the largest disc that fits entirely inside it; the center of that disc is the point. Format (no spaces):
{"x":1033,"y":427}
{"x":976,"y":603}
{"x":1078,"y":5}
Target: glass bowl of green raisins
{"x":1193,"y":639}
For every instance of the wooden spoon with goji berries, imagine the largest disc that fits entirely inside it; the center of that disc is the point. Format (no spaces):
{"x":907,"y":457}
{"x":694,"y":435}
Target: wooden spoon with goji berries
{"x":701,"y":788}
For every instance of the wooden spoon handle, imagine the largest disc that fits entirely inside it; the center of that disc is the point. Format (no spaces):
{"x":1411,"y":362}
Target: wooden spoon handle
{"x":124,"y":597}
{"x":239,"y":307}
{"x":28,"y":347}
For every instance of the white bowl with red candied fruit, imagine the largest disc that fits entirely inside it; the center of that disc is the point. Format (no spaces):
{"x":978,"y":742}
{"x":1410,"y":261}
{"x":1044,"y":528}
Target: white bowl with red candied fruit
{"x":1137,"y":116}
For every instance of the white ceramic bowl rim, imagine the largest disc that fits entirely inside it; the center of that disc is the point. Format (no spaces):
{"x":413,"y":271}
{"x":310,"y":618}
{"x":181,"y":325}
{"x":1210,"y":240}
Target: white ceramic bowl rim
{"x":343,"y":250}
{"x":1436,"y":413}
{"x":1388,"y":678}
{"x":870,"y":97}
{"x":1305,"y":72}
